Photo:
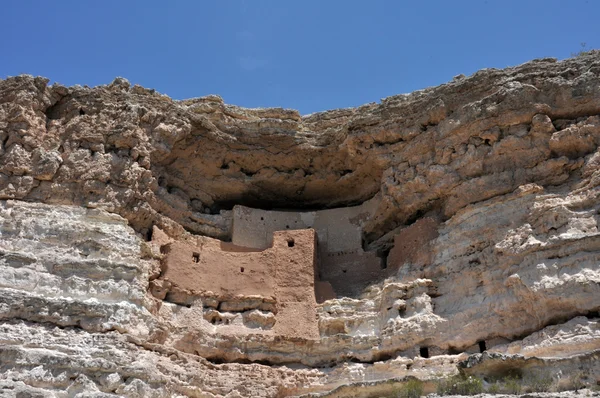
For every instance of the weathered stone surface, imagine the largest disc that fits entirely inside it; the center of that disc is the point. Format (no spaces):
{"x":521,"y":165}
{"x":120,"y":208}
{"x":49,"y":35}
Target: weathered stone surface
{"x":577,"y":336}
{"x":484,"y":192}
{"x":152,"y":159}
{"x":47,"y":361}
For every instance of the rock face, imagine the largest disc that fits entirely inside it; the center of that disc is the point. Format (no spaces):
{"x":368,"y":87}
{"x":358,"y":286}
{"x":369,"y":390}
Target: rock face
{"x":152,"y":247}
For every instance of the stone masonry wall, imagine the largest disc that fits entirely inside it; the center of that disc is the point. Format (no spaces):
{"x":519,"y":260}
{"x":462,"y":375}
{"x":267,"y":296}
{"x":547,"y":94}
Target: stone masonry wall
{"x":337,"y":229}
{"x":412,"y":244}
{"x":342,"y":262}
{"x":280,"y":279}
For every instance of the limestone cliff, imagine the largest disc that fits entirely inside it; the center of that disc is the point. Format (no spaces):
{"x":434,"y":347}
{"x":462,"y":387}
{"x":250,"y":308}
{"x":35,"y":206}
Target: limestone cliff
{"x":153,"y":247}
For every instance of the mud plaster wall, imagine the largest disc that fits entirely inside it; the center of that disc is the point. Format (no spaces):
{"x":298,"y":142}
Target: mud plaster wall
{"x":324,"y":291}
{"x":351,"y":271}
{"x":206,"y":267}
{"x":295,"y":283}
{"x":341,"y":260}
{"x":284,"y":272}
{"x":412,"y":243}
{"x":337,"y":229}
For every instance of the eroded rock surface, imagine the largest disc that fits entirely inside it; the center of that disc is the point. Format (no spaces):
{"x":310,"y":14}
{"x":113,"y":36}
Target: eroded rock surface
{"x":468,"y":221}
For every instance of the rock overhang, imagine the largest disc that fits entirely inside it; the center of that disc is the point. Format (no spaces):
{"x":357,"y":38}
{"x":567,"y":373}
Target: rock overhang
{"x":491,"y":179}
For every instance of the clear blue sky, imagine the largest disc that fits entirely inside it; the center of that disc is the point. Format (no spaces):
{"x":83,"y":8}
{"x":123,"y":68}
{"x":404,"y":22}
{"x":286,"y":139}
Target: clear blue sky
{"x":309,"y":55}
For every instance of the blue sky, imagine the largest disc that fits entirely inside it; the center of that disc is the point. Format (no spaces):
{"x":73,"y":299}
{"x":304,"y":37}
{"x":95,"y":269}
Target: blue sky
{"x":308,"y":55}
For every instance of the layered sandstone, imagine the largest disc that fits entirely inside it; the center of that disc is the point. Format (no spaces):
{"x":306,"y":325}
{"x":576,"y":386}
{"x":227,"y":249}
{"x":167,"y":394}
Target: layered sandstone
{"x":153,"y":247}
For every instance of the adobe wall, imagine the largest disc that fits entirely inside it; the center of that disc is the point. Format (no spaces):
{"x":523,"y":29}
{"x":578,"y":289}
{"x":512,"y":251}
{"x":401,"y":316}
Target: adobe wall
{"x":411,"y":244}
{"x":295,"y":263}
{"x":349,"y":272}
{"x":324,"y":291}
{"x":206,"y":267}
{"x":344,"y":269}
{"x":293,"y":255}
{"x":299,"y":268}
{"x":283,"y":274}
{"x":337,"y":229}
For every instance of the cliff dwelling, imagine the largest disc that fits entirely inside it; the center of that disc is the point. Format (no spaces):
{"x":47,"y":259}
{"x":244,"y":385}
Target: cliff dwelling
{"x":158,"y":247}
{"x":280,"y":264}
{"x":343,"y":268}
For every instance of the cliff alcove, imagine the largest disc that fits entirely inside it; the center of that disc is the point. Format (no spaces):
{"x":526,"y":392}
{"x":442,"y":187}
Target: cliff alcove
{"x":154,"y":247}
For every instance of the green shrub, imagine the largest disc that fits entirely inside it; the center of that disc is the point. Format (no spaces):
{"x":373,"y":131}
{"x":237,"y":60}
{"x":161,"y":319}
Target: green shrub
{"x":494,"y":388}
{"x":411,"y":389}
{"x":538,"y":382}
{"x":460,"y":385}
{"x":512,"y":385}
{"x":577,"y":381}
{"x":583,"y":51}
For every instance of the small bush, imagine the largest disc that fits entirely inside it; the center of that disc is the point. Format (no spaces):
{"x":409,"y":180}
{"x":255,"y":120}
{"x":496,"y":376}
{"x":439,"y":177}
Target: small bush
{"x":539,"y":382}
{"x":583,"y":51}
{"x":460,"y":385}
{"x":494,"y":388}
{"x":513,"y":385}
{"x":577,"y":381}
{"x":411,"y":389}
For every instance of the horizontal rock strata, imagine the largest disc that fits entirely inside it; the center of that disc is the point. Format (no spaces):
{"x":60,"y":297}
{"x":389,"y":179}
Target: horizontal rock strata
{"x":127,"y":220}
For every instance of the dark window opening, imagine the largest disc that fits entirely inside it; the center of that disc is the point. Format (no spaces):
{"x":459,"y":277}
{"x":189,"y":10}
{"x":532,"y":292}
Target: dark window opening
{"x":383,"y":262}
{"x":424,"y":352}
{"x":383,"y":257}
{"x":344,"y":271}
{"x":482,"y":347}
{"x":290,"y":242}
{"x":242,"y":269}
{"x":196,"y":257}
{"x":287,"y":227}
{"x":81,"y":112}
{"x":262,"y":219}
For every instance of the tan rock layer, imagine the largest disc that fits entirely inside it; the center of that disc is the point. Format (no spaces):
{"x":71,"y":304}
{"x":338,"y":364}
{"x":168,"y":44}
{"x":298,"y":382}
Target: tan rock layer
{"x":493,"y":178}
{"x":158,"y":161}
